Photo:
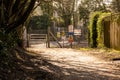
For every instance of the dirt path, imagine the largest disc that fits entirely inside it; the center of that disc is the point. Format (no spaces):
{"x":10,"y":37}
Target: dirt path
{"x":70,"y":64}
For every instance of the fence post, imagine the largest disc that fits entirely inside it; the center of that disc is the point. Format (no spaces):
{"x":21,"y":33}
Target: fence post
{"x":28,"y":40}
{"x":48,"y":37}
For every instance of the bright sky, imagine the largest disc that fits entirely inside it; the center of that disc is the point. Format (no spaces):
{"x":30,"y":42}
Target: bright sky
{"x":108,"y":1}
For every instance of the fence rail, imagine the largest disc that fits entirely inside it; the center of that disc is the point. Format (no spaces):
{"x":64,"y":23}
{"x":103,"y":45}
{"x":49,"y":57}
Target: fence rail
{"x":37,"y":38}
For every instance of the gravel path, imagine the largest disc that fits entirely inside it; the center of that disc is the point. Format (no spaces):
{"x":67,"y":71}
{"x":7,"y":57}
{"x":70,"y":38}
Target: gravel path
{"x":70,"y":64}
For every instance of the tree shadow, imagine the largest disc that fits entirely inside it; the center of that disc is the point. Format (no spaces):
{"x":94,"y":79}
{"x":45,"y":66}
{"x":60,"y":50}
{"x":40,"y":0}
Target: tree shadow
{"x":26,"y":66}
{"x":32,"y":66}
{"x":85,"y":73}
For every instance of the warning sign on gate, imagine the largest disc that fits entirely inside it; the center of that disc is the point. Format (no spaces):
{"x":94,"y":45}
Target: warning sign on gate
{"x":70,"y":29}
{"x":63,"y":33}
{"x":58,"y":34}
{"x":70,"y":38}
{"x":77,"y":31}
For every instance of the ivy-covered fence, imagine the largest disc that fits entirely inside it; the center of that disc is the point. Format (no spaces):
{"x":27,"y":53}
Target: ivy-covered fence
{"x":93,"y":29}
{"x":103,"y":27}
{"x":105,"y":30}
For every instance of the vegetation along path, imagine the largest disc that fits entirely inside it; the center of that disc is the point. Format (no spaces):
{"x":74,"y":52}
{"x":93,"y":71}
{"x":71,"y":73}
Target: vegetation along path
{"x":70,"y":64}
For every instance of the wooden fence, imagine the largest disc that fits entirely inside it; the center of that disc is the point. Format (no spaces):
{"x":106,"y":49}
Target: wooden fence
{"x":115,"y":35}
{"x":106,"y":38}
{"x":111,"y":34}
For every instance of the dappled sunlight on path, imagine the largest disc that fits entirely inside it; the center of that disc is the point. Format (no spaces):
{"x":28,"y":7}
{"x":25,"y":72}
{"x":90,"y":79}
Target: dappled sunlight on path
{"x":73,"y":64}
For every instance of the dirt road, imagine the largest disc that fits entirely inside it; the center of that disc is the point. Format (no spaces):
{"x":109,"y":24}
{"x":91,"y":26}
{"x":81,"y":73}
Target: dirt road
{"x":70,"y":64}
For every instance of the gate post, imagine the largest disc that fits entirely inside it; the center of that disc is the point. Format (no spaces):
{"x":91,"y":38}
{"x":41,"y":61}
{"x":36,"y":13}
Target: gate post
{"x":28,"y":40}
{"x":48,"y":37}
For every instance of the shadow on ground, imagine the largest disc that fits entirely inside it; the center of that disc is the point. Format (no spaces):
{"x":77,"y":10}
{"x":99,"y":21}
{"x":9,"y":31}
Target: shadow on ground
{"x":29,"y":66}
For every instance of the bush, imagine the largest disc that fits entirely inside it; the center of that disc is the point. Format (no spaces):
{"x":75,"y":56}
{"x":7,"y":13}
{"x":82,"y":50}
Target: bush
{"x":93,"y":29}
{"x":40,"y":22}
{"x":100,"y":27}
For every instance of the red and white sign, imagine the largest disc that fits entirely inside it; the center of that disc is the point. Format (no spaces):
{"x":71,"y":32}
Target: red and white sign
{"x":77,"y":31}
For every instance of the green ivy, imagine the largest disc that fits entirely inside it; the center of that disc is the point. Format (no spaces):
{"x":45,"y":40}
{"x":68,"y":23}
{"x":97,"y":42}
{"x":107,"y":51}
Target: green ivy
{"x":93,"y":28}
{"x":103,"y":17}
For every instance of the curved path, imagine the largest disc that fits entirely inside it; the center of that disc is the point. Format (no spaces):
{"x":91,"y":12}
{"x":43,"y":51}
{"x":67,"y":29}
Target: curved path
{"x":70,"y":64}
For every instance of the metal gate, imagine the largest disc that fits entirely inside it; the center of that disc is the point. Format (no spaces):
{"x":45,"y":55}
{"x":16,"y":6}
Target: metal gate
{"x":48,"y":39}
{"x":37,"y":37}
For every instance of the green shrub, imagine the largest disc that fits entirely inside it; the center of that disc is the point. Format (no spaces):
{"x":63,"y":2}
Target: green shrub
{"x":40,"y":22}
{"x":100,"y":27}
{"x":93,"y":29}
